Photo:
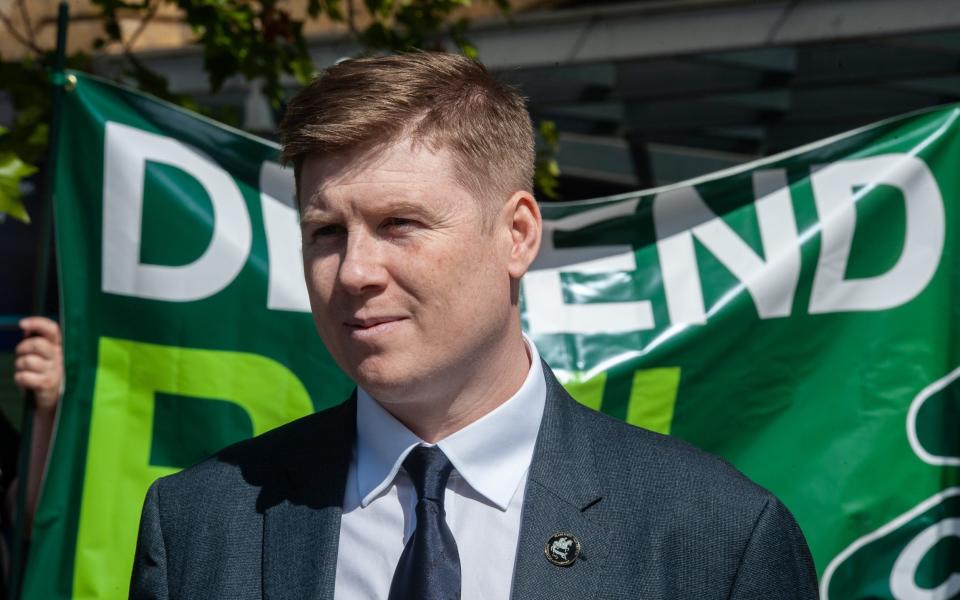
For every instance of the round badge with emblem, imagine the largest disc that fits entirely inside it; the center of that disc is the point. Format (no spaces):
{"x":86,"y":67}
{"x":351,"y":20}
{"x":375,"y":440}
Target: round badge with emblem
{"x":562,"y":549}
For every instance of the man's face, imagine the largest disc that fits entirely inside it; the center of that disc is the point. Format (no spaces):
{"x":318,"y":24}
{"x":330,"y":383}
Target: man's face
{"x":407,"y":284}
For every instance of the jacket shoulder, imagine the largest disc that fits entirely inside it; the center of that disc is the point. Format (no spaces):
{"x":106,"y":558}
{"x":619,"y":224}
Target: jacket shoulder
{"x":711,"y":528}
{"x":257,"y":461}
{"x":632,"y":458}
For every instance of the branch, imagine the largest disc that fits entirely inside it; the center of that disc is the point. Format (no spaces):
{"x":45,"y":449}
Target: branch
{"x":27,"y":22}
{"x":351,"y":19}
{"x":29,"y":44}
{"x":151,"y":12}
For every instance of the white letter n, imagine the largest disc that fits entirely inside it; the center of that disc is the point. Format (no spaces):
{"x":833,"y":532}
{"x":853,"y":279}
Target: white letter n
{"x":681,"y":215}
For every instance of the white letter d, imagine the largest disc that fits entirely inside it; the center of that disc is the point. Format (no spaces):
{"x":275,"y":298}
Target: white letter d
{"x":837,"y":188}
{"x":126,"y":153}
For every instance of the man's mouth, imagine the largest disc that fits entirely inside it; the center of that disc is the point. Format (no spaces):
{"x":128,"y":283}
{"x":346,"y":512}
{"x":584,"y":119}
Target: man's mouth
{"x":368,"y":326}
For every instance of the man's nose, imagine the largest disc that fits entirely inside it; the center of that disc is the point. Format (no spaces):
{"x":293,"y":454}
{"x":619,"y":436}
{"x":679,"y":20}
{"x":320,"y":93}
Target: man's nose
{"x":361,"y":269}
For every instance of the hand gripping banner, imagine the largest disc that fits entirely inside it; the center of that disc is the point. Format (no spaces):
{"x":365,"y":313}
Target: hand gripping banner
{"x":797,"y":315}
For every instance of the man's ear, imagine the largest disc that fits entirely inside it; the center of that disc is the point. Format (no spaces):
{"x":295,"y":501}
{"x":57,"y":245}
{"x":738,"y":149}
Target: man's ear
{"x":525,"y":225}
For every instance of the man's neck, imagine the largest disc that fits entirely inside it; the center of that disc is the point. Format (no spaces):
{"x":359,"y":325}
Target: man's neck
{"x":448,"y":406}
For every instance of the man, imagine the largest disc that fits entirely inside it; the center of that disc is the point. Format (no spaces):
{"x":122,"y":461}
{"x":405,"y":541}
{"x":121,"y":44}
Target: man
{"x":460,"y":467}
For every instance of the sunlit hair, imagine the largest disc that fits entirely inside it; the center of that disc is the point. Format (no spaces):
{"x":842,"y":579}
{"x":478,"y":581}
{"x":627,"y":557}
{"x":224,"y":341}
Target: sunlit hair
{"x":443,"y":100}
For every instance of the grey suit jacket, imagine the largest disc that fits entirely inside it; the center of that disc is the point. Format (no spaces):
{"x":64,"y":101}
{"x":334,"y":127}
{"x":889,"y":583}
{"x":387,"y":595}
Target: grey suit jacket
{"x":655,"y":517}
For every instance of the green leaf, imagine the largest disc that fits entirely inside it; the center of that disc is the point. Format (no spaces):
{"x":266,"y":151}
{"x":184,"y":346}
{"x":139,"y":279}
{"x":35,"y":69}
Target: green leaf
{"x":469,"y":50}
{"x":12,"y":170}
{"x":547,"y":169}
{"x":38,"y":137}
{"x":374,"y":6}
{"x":548,"y":131}
{"x":504,"y":6}
{"x":334,"y":10}
{"x":303,"y":70}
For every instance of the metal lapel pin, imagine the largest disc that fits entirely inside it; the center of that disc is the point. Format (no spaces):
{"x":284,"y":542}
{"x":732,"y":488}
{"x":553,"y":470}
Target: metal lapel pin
{"x":562,"y":549}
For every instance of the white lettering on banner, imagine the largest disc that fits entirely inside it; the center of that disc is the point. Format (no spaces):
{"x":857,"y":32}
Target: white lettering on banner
{"x":287,"y":289}
{"x":914,"y":412}
{"x":837,"y":187}
{"x":126,"y":152}
{"x":890,"y":528}
{"x":543,"y":293}
{"x":681,"y":215}
{"x":903,"y":577}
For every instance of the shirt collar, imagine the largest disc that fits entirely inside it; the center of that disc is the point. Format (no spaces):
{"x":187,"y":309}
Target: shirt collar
{"x":492,"y":454}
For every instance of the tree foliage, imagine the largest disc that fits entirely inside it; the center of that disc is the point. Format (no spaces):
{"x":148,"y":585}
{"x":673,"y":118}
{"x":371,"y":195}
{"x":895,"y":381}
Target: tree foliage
{"x":261,"y":41}
{"x":12,"y":170}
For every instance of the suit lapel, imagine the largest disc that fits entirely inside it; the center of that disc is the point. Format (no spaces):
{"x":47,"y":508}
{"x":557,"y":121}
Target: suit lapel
{"x":562,"y":497}
{"x":301,"y":526}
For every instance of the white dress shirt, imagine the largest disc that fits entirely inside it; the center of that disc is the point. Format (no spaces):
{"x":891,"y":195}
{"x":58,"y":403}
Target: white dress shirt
{"x":483,"y":501}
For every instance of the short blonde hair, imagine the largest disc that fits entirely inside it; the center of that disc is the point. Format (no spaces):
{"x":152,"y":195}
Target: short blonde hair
{"x":443,"y":100}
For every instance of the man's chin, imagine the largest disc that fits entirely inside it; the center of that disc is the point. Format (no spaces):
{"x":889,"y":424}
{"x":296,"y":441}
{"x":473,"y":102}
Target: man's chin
{"x":380,"y":373}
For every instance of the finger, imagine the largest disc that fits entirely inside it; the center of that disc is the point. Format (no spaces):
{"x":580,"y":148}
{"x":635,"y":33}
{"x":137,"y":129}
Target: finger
{"x":40,"y":346}
{"x":45,"y":387}
{"x":28,"y":380}
{"x":34,"y":363}
{"x":41,"y":326}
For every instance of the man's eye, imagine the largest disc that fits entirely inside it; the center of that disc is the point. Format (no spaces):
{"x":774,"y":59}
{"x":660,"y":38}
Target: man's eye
{"x":398,"y":224}
{"x":325,"y":231}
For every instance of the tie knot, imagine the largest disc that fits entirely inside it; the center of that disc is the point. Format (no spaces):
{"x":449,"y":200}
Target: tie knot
{"x":429,"y":468}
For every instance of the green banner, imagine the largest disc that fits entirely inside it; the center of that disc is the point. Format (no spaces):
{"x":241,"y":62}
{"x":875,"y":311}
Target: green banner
{"x":797,"y":315}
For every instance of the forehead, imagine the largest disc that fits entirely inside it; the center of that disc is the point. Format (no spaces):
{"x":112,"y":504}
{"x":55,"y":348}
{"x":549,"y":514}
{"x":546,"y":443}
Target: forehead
{"x":404,"y":170}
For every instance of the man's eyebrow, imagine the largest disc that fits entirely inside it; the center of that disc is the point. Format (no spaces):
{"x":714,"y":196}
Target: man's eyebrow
{"x":307,"y":219}
{"x":315,"y":197}
{"x":401,"y":205}
{"x":397,"y":205}
{"x":313,"y":213}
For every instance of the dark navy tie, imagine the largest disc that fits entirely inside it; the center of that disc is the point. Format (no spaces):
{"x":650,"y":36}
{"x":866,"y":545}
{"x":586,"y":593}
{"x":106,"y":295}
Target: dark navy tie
{"x":429,"y":568}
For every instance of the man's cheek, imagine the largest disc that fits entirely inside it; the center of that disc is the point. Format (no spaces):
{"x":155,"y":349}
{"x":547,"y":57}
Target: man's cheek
{"x":320,"y":284}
